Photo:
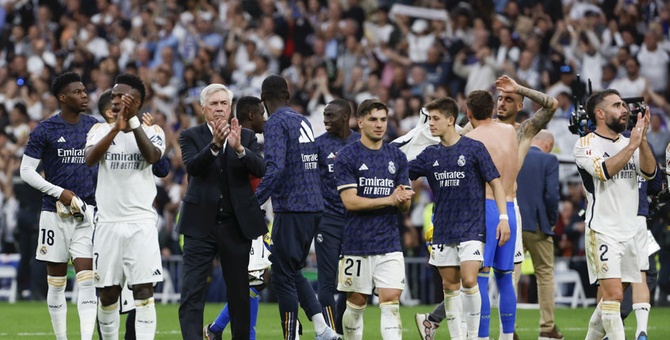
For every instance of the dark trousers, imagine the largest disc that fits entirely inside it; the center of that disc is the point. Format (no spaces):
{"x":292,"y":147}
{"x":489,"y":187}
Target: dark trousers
{"x":233,"y":249}
{"x":292,"y":235}
{"x":328,"y":246}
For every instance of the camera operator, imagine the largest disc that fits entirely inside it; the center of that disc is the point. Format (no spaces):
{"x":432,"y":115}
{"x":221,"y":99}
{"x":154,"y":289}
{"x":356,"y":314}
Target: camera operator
{"x":609,"y":163}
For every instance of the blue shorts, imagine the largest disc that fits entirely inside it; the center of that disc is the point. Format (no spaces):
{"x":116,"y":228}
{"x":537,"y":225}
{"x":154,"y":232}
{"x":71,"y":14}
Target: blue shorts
{"x":500,"y":258}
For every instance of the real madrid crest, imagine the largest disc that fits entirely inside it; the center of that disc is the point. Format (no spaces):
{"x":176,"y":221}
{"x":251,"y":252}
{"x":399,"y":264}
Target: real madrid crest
{"x":319,"y":238}
{"x":43,"y":250}
{"x":391,"y":168}
{"x":461,"y":160}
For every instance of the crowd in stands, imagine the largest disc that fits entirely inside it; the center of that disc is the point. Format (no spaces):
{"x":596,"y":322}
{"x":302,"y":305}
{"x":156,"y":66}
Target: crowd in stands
{"x":403,"y":52}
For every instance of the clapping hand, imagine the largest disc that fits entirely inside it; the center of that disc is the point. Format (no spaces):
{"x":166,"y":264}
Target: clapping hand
{"x":221,"y":130}
{"x":235,"y":136}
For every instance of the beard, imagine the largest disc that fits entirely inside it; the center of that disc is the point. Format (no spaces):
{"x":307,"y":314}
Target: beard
{"x":616,"y":126}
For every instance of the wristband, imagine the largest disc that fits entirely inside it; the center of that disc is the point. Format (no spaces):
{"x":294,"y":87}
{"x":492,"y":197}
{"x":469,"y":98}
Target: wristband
{"x":503,"y":217}
{"x":134,"y":123}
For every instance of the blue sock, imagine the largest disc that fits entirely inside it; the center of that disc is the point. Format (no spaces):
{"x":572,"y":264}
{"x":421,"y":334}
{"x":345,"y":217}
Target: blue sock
{"x":253,"y":302}
{"x":485,"y":318}
{"x":507,"y":300}
{"x":221,"y":321}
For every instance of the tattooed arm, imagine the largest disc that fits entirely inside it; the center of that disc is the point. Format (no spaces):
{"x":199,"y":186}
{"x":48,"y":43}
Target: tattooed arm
{"x":531,"y":126}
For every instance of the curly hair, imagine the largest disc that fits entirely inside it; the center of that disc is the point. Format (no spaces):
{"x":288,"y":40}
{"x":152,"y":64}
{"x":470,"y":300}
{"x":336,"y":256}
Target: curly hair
{"x":64,"y":80}
{"x":133,"y":81}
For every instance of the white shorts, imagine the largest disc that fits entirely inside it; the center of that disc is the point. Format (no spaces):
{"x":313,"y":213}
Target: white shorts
{"x":608,"y":258}
{"x":126,"y":253}
{"x":61,"y":239}
{"x":259,"y":255}
{"x":258,"y":261}
{"x":518,"y":246}
{"x":451,"y":255}
{"x":361,"y":274}
{"x":642,"y":241}
{"x":127,"y":299}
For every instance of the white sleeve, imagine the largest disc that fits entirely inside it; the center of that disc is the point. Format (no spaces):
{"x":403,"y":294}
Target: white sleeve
{"x":589,"y":159}
{"x":156,"y":136}
{"x":30,"y":175}
{"x":94,"y":135}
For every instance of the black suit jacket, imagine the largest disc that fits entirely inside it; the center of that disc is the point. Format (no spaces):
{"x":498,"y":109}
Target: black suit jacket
{"x":537,"y":192}
{"x":201,"y":202}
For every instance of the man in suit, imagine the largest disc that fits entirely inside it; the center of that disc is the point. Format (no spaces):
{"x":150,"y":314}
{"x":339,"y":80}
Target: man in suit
{"x":219,"y":213}
{"x":538,"y":198}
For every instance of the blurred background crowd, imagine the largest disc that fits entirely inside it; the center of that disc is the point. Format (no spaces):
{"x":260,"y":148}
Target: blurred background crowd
{"x":403,"y":52}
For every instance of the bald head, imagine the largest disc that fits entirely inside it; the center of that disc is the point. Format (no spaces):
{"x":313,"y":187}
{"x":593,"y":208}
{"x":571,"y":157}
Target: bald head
{"x":544,"y":140}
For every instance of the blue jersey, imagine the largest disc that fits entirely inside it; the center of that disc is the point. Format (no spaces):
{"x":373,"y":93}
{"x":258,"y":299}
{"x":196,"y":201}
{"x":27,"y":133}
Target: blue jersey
{"x":457,"y":175}
{"x":329,"y":145}
{"x":60,"y":146}
{"x":373,"y":174}
{"x":291,"y":155}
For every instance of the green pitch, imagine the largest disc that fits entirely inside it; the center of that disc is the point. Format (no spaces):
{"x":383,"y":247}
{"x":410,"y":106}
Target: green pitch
{"x":30,"y":320}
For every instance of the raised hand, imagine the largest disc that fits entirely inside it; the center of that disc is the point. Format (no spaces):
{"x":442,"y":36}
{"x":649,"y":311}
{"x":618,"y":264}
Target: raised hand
{"x":147,"y":119}
{"x":506,"y":84}
{"x":235,"y":136}
{"x":639,"y":132}
{"x":130,"y":106}
{"x":221,"y":129}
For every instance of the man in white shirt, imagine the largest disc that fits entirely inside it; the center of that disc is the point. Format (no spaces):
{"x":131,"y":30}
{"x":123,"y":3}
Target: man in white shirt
{"x":609,"y":164}
{"x":125,"y":240}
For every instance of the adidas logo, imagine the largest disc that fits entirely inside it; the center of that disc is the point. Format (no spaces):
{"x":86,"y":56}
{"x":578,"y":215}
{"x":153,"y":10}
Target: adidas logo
{"x":518,"y":253}
{"x":606,"y":155}
{"x":363,"y":167}
{"x":332,"y":155}
{"x":156,"y":272}
{"x":306,"y":133}
{"x":436,"y":163}
{"x":61,"y":139}
{"x":476,"y":252}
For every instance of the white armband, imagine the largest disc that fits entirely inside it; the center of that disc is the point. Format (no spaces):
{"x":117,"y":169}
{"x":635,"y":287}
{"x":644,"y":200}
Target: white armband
{"x":503,"y":217}
{"x":134,"y":123}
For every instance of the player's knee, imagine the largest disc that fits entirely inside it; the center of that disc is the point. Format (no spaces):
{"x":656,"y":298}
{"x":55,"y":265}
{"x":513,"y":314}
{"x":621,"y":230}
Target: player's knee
{"x":143,"y":291}
{"x":450,"y":286}
{"x":357,"y":299}
{"x":109,"y":295}
{"x":469,"y":282}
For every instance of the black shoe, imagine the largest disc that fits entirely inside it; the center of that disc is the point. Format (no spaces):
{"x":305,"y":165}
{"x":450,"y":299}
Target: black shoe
{"x":209,"y":334}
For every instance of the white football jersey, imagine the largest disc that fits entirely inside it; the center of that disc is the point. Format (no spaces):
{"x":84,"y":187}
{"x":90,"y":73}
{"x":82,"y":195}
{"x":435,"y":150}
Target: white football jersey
{"x":612,"y":199}
{"x":126,"y":189}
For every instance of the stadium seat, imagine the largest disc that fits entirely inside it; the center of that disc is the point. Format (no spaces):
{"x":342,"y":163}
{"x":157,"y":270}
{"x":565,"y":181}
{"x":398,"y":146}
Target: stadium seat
{"x":8,"y":273}
{"x":563,"y":278}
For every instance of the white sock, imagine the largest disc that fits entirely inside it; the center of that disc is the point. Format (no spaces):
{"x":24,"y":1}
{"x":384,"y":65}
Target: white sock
{"x":319,"y":323}
{"x":611,"y":315}
{"x":391,"y":324}
{"x":57,"y":305}
{"x":352,"y":321}
{"x":642,"y":316}
{"x":506,"y":336}
{"x":87,"y":303}
{"x":596,"y":330}
{"x":108,"y":319}
{"x":453,"y":309}
{"x":145,"y":319}
{"x":472,"y":306}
